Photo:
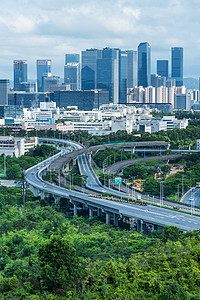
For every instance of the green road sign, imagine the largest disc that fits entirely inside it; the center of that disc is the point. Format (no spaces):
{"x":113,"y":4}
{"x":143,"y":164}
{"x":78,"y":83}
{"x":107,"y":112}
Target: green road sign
{"x":118,"y":180}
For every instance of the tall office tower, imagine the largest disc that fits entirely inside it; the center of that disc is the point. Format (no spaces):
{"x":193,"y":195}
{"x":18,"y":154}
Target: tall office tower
{"x":20,"y":71}
{"x":144,"y":64}
{"x":48,"y":81}
{"x":108,"y":73}
{"x":89,"y":68}
{"x":123,"y":75}
{"x":162,"y":68}
{"x":131,"y":69}
{"x":4,"y":87}
{"x":72,"y":58}
{"x":72,"y":75}
{"x":43,"y":68}
{"x":177,"y":65}
{"x":157,"y":80}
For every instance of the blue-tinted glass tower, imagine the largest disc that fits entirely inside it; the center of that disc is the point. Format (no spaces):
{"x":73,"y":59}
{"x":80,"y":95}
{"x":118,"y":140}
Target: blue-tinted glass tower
{"x":72,"y":75}
{"x":43,"y":68}
{"x":144,"y":64}
{"x":72,"y":58}
{"x":20,"y":71}
{"x":177,"y":65}
{"x":108,"y":73}
{"x":162,"y":68}
{"x":123,"y":62}
{"x":131,"y":68}
{"x":89,"y":68}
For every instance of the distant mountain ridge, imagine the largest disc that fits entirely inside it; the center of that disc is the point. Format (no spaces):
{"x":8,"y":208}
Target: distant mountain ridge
{"x":191,"y":83}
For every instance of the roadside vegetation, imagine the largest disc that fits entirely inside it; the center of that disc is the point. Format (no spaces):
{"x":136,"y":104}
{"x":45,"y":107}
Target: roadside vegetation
{"x":46,"y":255}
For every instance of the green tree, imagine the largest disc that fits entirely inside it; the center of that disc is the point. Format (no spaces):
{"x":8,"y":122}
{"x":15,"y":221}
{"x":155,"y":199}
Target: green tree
{"x":175,"y":292}
{"x":60,"y":267}
{"x":170,"y":233}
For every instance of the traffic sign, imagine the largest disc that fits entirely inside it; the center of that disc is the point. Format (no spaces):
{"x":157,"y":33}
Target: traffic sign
{"x":118,"y":180}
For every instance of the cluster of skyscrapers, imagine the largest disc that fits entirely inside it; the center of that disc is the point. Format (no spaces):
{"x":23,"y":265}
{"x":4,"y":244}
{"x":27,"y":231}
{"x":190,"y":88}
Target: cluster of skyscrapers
{"x":120,"y":74}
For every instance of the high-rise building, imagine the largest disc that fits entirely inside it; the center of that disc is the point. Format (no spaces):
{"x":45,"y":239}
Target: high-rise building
{"x":72,"y":75}
{"x":157,"y":80}
{"x":108,"y":73}
{"x":48,"y":81}
{"x":123,"y":61}
{"x":43,"y":68}
{"x":162,"y":95}
{"x":144,"y":64}
{"x":4,"y":87}
{"x":170,"y":83}
{"x":72,"y":58}
{"x":150,"y":94}
{"x":131,"y":68}
{"x":177,"y":65}
{"x":20,"y":71}
{"x":89,"y":68}
{"x":182,"y":101}
{"x":162,"y":68}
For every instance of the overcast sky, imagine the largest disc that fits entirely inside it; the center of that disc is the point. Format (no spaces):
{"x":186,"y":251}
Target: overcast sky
{"x":35,"y":29}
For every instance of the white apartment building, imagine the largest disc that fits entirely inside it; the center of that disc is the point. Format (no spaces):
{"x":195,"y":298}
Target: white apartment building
{"x":162,"y":95}
{"x":13,"y":146}
{"x":150,"y":94}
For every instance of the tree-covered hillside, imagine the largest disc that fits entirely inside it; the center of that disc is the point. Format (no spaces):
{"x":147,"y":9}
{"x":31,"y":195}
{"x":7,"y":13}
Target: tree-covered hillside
{"x":44,"y":255}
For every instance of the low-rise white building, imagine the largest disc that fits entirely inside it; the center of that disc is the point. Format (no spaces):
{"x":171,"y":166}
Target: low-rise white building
{"x":15,"y":146}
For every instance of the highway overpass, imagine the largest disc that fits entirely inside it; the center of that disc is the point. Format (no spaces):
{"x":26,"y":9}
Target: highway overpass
{"x":151,"y":216}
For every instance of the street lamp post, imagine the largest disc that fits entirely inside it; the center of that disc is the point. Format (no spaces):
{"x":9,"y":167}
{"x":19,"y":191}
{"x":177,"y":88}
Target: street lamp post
{"x":161,"y":193}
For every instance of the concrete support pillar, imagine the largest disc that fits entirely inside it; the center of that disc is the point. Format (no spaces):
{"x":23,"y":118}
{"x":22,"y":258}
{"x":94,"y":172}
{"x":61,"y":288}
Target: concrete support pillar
{"x":56,"y":199}
{"x":42,"y":195}
{"x":98,"y":212}
{"x":115,"y":219}
{"x":35,"y":192}
{"x":74,"y":162}
{"x":107,"y":218}
{"x":75,"y":209}
{"x":139,"y":225}
{"x":91,"y":212}
{"x":144,"y":227}
{"x":152,"y":227}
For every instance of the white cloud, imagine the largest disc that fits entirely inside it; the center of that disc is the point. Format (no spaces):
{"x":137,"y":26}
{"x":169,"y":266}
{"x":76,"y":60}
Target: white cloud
{"x":49,"y":28}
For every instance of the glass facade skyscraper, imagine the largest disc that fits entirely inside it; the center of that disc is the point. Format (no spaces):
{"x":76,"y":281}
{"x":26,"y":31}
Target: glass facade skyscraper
{"x":144,"y":64}
{"x":72,"y":58}
{"x":123,"y":77}
{"x":72,"y":75}
{"x":4,"y":87}
{"x":109,"y":69}
{"x":43,"y":68}
{"x":131,"y":68}
{"x":20,"y":71}
{"x":89,"y":68}
{"x":162,"y":68}
{"x":177,"y":65}
{"x":108,"y":73}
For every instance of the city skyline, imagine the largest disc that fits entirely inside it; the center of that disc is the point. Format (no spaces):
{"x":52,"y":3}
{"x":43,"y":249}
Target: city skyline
{"x":46,"y":29}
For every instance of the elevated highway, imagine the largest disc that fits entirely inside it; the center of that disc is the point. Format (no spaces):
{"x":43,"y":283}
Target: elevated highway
{"x":149,"y":215}
{"x":119,"y":166}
